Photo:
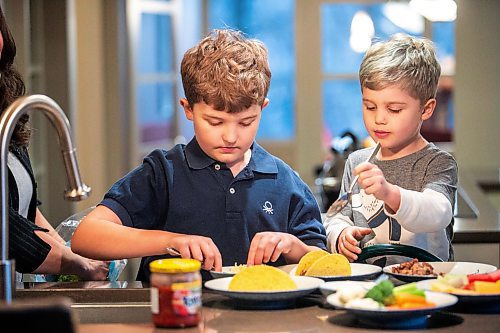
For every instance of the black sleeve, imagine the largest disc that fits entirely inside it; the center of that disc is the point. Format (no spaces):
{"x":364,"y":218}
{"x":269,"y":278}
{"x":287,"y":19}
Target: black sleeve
{"x":25,"y":247}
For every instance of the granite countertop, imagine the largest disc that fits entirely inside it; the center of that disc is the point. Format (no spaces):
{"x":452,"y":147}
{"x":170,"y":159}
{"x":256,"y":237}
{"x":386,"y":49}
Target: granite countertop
{"x":310,"y":313}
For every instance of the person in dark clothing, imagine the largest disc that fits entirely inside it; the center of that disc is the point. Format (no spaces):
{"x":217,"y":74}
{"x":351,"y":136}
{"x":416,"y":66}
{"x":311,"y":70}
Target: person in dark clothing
{"x":34,"y":245}
{"x":221,"y":199}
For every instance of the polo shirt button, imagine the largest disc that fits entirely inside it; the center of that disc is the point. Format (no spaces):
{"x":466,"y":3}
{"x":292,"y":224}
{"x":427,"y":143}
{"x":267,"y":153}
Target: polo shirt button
{"x":231,"y":190}
{"x":217,"y":167}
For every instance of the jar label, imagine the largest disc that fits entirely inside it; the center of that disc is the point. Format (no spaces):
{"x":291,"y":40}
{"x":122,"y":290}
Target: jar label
{"x":155,"y":307}
{"x":186,"y":298}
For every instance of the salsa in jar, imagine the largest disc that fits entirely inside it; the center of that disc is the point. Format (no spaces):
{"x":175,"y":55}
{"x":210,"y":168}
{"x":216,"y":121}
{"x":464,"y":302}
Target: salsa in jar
{"x":175,"y":292}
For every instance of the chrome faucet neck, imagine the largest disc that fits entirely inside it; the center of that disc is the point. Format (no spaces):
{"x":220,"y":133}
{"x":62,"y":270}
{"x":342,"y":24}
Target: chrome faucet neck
{"x":76,"y":189}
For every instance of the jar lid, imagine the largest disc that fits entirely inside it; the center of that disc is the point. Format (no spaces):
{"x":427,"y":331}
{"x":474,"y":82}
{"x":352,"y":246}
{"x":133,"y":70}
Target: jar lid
{"x":175,"y":265}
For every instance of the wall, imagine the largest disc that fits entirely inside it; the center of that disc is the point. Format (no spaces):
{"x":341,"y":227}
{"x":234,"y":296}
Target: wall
{"x":477,"y":89}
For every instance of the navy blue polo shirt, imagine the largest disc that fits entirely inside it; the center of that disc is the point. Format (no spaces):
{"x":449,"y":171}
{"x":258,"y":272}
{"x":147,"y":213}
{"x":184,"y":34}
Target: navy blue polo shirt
{"x":185,"y":191}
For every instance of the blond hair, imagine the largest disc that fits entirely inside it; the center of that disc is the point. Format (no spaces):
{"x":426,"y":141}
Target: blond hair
{"x":406,"y":61}
{"x":227,"y":71}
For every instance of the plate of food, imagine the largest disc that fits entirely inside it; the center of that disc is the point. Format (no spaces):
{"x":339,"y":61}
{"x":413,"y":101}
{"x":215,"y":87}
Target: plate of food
{"x":475,"y":292}
{"x":331,"y":287}
{"x":264,"y":283}
{"x":414,"y":270}
{"x":228,"y":271}
{"x":333,"y":267}
{"x":386,"y":306}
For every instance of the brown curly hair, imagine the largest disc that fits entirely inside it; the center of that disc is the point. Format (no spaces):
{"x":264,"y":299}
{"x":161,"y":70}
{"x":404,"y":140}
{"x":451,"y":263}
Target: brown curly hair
{"x":11,"y":84}
{"x":227,"y":71}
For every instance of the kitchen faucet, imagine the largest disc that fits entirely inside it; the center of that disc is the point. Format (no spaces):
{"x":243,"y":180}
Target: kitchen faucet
{"x":76,"y":191}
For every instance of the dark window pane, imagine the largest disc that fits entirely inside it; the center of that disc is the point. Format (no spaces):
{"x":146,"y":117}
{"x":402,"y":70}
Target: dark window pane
{"x":337,"y":56}
{"x":443,"y":36}
{"x":155,"y":111}
{"x":342,"y":108}
{"x":272,"y":22}
{"x":155,"y":42}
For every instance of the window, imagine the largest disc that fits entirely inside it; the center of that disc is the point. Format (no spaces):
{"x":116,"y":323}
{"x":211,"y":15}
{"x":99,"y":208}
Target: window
{"x":272,"y":22}
{"x":154,"y":73}
{"x":341,"y":93}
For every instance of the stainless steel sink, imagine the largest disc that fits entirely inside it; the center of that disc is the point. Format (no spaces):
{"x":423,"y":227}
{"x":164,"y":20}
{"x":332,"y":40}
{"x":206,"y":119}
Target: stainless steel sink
{"x":93,"y":301}
{"x":132,"y":312}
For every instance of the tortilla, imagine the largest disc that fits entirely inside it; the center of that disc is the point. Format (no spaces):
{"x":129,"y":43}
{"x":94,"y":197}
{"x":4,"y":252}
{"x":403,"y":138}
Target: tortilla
{"x":330,"y":265}
{"x":307,"y":260}
{"x":262,"y":278}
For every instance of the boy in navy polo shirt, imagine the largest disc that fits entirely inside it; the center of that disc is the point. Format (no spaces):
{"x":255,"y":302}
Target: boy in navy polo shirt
{"x":221,"y":199}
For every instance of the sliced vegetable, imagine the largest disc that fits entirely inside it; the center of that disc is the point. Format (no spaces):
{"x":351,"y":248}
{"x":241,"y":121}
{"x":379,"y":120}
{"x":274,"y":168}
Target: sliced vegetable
{"x":403,"y":298}
{"x":417,"y":305}
{"x":488,"y":277}
{"x":409,"y":288}
{"x":484,"y":287}
{"x":454,"y":280}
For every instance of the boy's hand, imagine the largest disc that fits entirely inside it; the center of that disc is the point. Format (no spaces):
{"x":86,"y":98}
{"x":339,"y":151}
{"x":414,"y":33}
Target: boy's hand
{"x":372,"y":180}
{"x":199,"y":248}
{"x":268,"y":246}
{"x":348,"y":241}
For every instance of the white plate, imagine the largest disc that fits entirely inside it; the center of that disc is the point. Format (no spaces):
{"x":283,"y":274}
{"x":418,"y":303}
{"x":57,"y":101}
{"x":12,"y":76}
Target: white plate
{"x":358,"y":272}
{"x":397,"y":318}
{"x":331,"y":287}
{"x":227,"y":271}
{"x":305,"y":284}
{"x":472,"y":303}
{"x":463,"y":268}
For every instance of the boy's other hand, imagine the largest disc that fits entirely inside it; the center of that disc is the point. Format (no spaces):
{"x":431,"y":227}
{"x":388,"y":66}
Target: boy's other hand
{"x":348,"y":242}
{"x":199,"y":248}
{"x":268,"y":246}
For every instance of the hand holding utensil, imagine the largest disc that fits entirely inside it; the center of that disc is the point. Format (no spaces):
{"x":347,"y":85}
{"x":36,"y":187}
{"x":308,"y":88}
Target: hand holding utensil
{"x":345,"y":198}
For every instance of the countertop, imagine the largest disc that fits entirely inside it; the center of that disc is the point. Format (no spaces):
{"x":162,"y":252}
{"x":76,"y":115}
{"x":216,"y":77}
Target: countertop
{"x":485,"y":228}
{"x":307,"y":315}
{"x":123,"y":307}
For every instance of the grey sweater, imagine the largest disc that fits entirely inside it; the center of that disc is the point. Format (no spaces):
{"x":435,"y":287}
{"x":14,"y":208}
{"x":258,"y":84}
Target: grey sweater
{"x":428,"y":182}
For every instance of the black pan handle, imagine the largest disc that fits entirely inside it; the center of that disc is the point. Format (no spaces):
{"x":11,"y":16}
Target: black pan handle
{"x":396,"y":249}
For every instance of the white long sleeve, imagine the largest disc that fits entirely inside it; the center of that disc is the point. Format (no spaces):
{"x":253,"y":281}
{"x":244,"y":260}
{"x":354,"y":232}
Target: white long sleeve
{"x":422,"y":212}
{"x":334,"y":226}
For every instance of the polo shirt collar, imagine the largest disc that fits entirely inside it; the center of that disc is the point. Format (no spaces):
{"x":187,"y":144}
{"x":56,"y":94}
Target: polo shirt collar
{"x":261,"y":161}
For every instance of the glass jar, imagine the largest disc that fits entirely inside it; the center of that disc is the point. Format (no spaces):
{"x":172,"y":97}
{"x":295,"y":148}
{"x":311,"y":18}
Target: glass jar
{"x":175,"y":292}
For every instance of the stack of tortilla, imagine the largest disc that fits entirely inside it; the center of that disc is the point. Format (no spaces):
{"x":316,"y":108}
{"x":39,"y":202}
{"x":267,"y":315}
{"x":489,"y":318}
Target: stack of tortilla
{"x":322,"y":263}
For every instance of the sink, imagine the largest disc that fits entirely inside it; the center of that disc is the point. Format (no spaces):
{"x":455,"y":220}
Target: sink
{"x":131,"y":312}
{"x":93,"y":301}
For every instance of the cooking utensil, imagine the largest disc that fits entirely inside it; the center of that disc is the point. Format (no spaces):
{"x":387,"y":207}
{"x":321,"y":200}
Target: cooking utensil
{"x":345,"y":198}
{"x":173,"y":252}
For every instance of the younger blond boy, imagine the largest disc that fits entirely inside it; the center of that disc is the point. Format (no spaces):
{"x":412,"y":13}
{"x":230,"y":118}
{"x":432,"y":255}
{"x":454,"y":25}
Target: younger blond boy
{"x":406,"y":195}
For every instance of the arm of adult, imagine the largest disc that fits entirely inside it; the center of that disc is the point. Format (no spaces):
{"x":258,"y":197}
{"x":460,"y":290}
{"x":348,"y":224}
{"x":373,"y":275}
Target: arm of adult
{"x":61,"y":260}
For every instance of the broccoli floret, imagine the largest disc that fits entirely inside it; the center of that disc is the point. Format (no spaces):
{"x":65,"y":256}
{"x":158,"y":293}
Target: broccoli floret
{"x":382,"y":292}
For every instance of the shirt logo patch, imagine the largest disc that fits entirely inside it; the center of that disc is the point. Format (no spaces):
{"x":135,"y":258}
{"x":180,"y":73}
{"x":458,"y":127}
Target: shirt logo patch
{"x":268,"y":208}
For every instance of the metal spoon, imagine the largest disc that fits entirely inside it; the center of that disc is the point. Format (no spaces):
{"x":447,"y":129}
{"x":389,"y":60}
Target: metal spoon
{"x":175,"y":253}
{"x":342,"y":201}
